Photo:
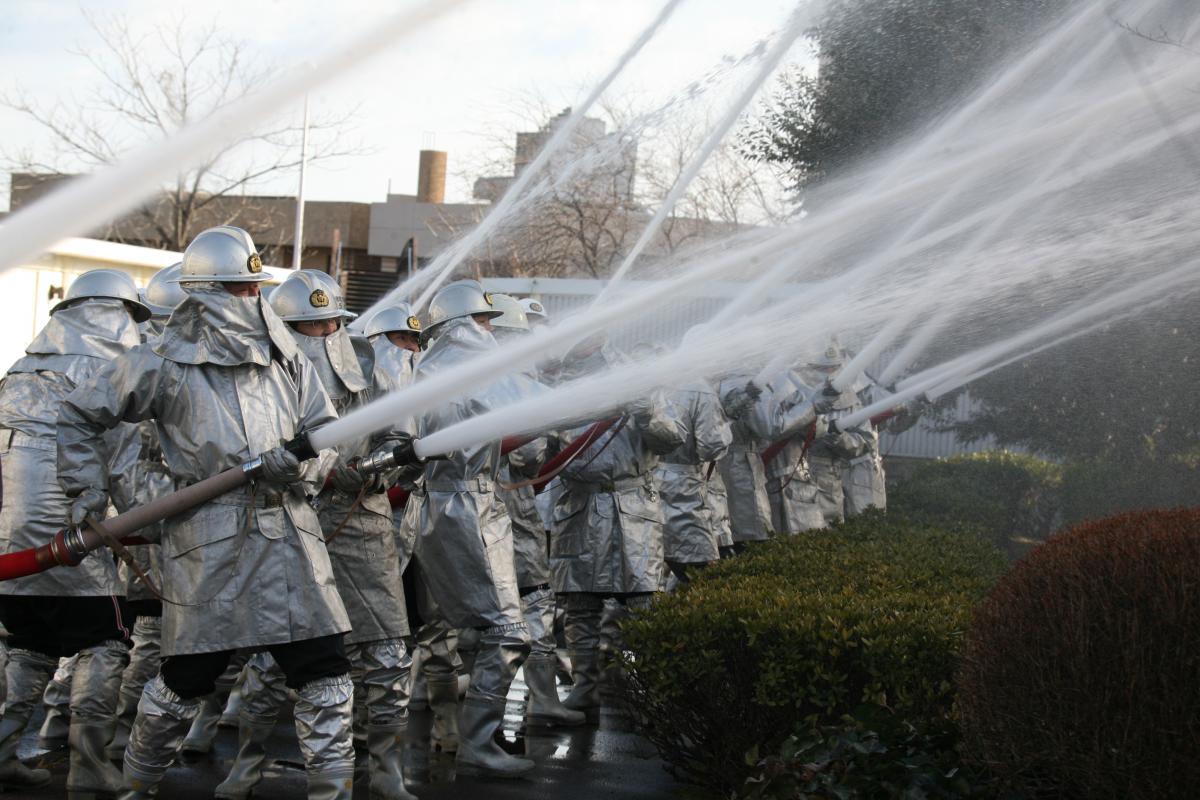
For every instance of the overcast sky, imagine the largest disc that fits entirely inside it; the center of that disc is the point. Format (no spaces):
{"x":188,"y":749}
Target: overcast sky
{"x":443,"y":87}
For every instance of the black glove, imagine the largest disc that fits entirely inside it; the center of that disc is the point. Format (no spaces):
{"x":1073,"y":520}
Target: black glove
{"x":348,"y":480}
{"x":279,"y":468}
{"x":89,"y":503}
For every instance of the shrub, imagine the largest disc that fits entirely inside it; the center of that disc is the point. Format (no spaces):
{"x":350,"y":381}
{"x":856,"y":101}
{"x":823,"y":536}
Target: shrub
{"x":1011,"y":498}
{"x":800,"y":632}
{"x":857,"y":762}
{"x":1080,"y":673}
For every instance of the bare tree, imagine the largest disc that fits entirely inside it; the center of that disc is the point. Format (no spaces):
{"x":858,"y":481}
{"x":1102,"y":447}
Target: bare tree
{"x":590,"y":204}
{"x":150,"y":83}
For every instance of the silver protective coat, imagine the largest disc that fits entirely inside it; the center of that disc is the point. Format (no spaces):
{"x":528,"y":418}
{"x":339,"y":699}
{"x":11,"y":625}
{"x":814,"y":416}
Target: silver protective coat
{"x":77,"y":342}
{"x":464,"y":541}
{"x":608,"y":522}
{"x":224,"y":384}
{"x":791,"y":487}
{"x":691,"y":523}
{"x":742,"y":470}
{"x":366,"y":564}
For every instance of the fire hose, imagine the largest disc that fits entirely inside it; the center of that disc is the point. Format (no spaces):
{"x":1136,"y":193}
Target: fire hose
{"x":398,"y":495}
{"x":69,"y":547}
{"x":769,"y":454}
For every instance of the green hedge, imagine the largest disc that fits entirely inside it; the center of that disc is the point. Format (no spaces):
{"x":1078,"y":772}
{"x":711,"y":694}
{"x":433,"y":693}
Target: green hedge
{"x":1011,"y":498}
{"x":799,"y":633}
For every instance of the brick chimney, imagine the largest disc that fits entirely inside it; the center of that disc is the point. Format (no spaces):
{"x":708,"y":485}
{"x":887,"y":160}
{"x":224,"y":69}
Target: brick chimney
{"x":431,"y":178}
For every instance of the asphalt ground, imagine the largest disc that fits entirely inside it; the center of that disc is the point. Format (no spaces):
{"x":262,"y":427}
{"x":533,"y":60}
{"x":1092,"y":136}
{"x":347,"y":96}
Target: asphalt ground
{"x":605,"y":762}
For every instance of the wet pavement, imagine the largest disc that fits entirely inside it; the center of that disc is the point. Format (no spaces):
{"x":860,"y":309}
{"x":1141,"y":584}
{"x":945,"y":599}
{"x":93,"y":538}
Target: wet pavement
{"x":586,"y":763}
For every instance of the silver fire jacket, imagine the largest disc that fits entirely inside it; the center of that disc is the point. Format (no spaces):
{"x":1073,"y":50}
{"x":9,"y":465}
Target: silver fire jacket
{"x":830,"y":456}
{"x":464,"y":538}
{"x":366,"y":564}
{"x":608,"y":522}
{"x":691,"y":524}
{"x":224,"y":384}
{"x":741,"y":468}
{"x":791,"y":487}
{"x":76,"y":342}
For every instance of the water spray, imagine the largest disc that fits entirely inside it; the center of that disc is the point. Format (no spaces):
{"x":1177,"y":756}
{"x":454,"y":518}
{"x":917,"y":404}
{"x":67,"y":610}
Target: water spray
{"x":93,"y":200}
{"x":796,"y":24}
{"x":445,"y":264}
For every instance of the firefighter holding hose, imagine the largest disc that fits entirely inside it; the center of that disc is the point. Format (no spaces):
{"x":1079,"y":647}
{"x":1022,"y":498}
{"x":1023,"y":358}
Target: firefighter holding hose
{"x":61,"y":613}
{"x":227,"y":387}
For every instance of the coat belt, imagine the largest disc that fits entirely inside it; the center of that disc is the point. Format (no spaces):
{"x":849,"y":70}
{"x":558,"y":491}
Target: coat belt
{"x":639,"y":482}
{"x":482,"y":485}
{"x":10,"y":438}
{"x":243,"y":498}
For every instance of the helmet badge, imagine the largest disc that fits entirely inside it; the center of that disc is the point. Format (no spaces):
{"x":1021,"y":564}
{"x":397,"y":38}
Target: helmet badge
{"x":487,"y":298}
{"x":254,"y":263}
{"x":414,"y":323}
{"x":535,"y":307}
{"x":318,"y":299}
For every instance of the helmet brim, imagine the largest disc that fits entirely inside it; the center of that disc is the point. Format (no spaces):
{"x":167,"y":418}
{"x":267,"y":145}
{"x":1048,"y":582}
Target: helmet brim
{"x":259,"y":278}
{"x":140,"y":311}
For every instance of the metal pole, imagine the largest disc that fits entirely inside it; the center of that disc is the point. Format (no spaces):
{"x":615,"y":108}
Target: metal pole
{"x":298,"y":241}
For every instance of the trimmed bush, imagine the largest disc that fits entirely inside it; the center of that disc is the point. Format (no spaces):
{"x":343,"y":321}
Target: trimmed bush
{"x":799,"y":633}
{"x":1081,"y":669}
{"x":1011,"y":498}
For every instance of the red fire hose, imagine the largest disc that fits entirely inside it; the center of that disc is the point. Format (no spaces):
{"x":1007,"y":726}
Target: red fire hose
{"x":68,"y":547}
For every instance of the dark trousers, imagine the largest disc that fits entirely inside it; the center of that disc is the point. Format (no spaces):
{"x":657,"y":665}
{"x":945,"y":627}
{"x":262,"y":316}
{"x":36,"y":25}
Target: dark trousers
{"x":62,"y":626}
{"x":195,"y":675}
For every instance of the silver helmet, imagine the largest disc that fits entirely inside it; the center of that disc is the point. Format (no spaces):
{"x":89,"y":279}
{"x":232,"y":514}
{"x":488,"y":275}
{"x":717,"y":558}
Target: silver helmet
{"x":393,"y":318}
{"x":309,"y":295}
{"x":512,"y":315}
{"x":225,"y":254}
{"x":163,"y":293}
{"x":460,"y":299}
{"x":110,"y":283}
{"x":534,"y":310}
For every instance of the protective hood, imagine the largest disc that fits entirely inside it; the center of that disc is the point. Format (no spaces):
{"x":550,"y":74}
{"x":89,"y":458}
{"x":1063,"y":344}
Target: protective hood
{"x":395,"y":362}
{"x":462,"y":340}
{"x":334,"y":358}
{"x":458,"y":340}
{"x":100,"y":328}
{"x":212,"y":326}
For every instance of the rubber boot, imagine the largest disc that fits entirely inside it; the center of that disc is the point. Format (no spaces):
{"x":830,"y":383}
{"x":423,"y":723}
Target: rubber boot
{"x":263,"y":693}
{"x":418,"y":700}
{"x":246,"y":771}
{"x":27,"y":673}
{"x":478,"y":753}
{"x":231,"y":717}
{"x":163,"y":719}
{"x":386,"y":753}
{"x":544,"y":709}
{"x":94,"y":690}
{"x":443,"y":702}
{"x":199,"y":739}
{"x":14,"y":774}
{"x":585,"y":694}
{"x":57,"y":699}
{"x":144,"y":661}
{"x":323,"y":712}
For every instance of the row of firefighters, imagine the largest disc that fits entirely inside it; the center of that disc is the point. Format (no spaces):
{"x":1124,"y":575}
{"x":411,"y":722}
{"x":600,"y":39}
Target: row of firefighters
{"x":316,"y":583}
